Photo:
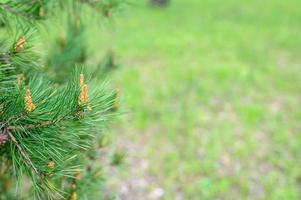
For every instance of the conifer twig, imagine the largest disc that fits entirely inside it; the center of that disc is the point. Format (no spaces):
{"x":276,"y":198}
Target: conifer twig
{"x":42,"y":124}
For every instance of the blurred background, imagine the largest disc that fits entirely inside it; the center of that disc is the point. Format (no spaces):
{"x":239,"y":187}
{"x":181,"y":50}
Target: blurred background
{"x":211,"y":91}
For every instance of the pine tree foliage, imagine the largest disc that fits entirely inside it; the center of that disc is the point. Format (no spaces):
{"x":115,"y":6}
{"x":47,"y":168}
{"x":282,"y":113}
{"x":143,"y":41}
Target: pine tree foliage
{"x":47,"y":129}
{"x":68,"y":50}
{"x":71,"y":45}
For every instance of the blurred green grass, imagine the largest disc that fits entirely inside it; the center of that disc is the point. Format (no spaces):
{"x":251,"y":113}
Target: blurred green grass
{"x":213,"y":90}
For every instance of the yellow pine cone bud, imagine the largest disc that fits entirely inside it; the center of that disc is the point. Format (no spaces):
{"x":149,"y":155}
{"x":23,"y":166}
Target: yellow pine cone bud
{"x":51,"y":164}
{"x":29,"y":105}
{"x":20,"y":44}
{"x":83,"y":95}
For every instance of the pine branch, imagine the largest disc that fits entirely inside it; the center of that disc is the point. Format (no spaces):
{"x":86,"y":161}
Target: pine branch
{"x":45,"y":128}
{"x":42,"y":124}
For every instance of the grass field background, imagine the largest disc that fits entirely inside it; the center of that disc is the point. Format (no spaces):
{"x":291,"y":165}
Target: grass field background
{"x":212,"y":91}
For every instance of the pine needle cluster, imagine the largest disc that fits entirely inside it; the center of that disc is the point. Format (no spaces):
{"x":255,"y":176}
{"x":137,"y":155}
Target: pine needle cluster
{"x":46,"y":129}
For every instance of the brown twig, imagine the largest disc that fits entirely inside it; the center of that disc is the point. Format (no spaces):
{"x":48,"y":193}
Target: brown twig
{"x":33,"y":126}
{"x":42,"y":124}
